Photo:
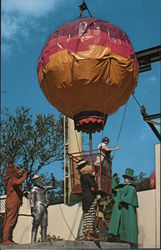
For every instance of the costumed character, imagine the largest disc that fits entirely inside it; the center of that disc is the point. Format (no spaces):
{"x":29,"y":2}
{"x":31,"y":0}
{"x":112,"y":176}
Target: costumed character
{"x":13,"y":179}
{"x":39,"y":204}
{"x":89,"y":196}
{"x":124,"y":219}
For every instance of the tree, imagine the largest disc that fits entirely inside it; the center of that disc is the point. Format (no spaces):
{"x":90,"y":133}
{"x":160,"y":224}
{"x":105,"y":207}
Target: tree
{"x":55,"y":195}
{"x":142,"y":182}
{"x":30,"y":143}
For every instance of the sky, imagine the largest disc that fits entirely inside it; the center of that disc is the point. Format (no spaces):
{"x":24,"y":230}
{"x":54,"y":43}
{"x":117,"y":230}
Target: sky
{"x":25,"y":27}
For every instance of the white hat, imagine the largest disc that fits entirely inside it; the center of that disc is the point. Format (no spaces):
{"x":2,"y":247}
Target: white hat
{"x":35,"y":177}
{"x":81,"y":164}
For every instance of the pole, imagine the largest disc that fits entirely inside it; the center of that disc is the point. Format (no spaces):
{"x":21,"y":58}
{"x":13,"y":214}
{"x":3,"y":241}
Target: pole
{"x":75,"y":146}
{"x":64,"y":162}
{"x":90,"y":146}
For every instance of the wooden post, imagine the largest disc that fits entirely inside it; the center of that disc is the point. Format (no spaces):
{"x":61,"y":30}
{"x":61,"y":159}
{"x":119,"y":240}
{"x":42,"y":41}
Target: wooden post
{"x":74,"y":146}
{"x":90,"y":145}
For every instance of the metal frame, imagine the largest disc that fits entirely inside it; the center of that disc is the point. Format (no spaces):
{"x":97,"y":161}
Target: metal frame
{"x":145,"y":58}
{"x":148,"y":119}
{"x":104,"y":177}
{"x":148,"y":56}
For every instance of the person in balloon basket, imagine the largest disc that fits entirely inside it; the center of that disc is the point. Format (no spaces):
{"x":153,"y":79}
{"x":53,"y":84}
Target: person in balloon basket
{"x":13,"y":179}
{"x":104,"y":152}
{"x":89,"y":199}
{"x":123,"y":221}
{"x":39,"y":204}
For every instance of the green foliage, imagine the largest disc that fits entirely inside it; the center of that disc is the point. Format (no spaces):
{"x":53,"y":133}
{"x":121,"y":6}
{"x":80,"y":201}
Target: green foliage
{"x":51,"y":238}
{"x":74,"y":198}
{"x":29,"y":143}
{"x":55,"y":195}
{"x":142,"y":182}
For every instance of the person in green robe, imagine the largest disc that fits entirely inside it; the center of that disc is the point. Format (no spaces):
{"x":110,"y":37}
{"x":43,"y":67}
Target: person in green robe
{"x":124,"y":218}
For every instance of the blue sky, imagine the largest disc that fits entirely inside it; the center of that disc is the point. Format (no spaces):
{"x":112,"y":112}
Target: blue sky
{"x":26,"y":24}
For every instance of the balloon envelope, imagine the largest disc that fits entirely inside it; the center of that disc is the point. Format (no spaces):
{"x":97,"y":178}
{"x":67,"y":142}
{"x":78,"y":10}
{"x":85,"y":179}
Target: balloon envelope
{"x":87,"y":70}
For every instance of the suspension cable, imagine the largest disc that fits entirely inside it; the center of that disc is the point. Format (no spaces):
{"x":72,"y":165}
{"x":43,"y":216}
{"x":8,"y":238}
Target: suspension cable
{"x":123,"y":118}
{"x":136,"y":100}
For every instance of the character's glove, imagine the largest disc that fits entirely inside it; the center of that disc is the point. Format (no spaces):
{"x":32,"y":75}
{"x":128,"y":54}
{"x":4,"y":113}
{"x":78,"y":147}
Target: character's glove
{"x":27,"y":195}
{"x":98,"y":197}
{"x":123,"y":204}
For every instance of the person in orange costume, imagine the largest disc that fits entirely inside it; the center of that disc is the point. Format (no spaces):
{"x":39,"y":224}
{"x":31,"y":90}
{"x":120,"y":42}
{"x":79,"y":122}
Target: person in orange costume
{"x":14,"y":179}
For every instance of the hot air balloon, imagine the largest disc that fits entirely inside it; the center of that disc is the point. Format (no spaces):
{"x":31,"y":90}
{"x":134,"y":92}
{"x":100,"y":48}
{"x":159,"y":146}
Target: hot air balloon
{"x":87,"y":70}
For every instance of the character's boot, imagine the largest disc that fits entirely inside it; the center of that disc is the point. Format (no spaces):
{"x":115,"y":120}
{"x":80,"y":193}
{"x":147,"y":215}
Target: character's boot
{"x":87,"y":235}
{"x":90,"y":237}
{"x":43,"y":234}
{"x":8,"y":242}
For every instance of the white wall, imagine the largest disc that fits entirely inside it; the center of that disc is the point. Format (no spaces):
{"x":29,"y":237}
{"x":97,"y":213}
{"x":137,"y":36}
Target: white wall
{"x":157,"y":200}
{"x":146,"y":219}
{"x":149,"y":211}
{"x":63,"y":222}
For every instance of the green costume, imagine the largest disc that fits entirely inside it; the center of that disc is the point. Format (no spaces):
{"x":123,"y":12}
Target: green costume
{"x":124,"y":220}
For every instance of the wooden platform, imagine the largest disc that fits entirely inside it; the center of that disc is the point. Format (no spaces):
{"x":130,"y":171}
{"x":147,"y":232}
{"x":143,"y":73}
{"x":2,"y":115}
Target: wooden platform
{"x":65,"y":244}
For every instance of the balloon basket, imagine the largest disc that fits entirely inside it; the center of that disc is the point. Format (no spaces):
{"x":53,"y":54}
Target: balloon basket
{"x":103,"y":172}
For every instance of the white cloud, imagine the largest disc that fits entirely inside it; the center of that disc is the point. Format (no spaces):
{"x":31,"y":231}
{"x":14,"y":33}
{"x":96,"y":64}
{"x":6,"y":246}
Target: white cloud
{"x":36,"y":8}
{"x":10,"y":27}
{"x":6,"y":50}
{"x":144,"y":132}
{"x":19,"y":17}
{"x":152,"y":79}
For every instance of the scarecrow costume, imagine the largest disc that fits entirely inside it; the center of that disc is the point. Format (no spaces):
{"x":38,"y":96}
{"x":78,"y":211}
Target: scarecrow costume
{"x":89,"y":193}
{"x":124,"y":218}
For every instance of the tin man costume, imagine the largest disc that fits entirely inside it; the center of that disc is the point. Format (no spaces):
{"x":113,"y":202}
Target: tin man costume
{"x":39,"y":204}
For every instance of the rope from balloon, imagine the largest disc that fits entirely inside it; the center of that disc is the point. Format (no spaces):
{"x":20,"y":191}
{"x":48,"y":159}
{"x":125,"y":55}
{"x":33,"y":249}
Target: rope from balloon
{"x":123,"y":118}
